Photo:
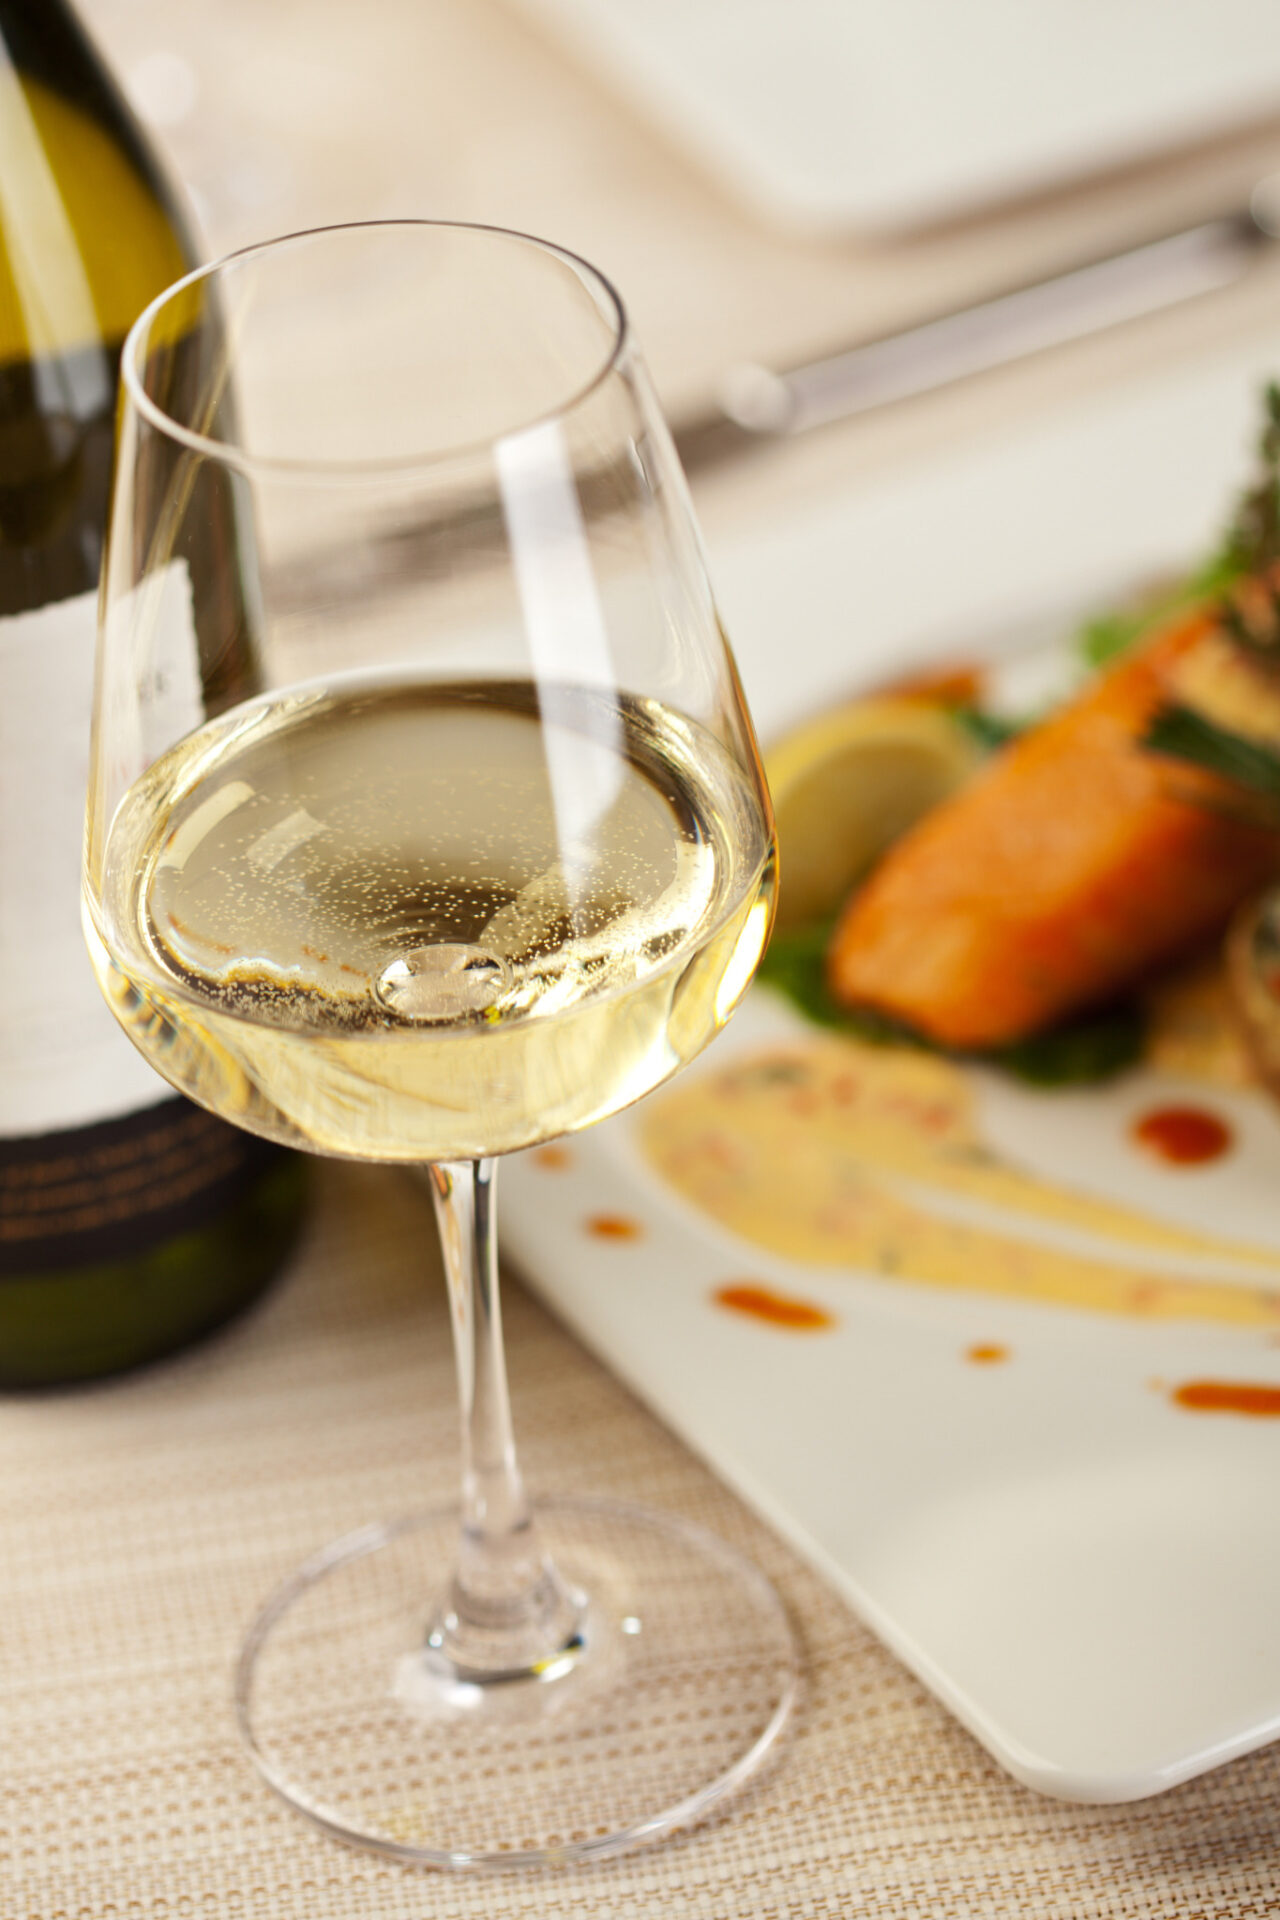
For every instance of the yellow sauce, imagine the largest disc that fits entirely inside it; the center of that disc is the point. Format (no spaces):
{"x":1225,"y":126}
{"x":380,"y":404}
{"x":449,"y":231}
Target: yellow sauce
{"x":838,"y":1154}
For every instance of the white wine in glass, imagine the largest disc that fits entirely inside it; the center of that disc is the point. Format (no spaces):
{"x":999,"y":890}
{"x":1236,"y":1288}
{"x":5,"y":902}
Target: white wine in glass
{"x":482,"y":856}
{"x":439,"y":975}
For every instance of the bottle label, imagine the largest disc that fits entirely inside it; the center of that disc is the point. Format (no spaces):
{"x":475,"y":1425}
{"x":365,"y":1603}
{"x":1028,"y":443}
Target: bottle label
{"x":109,"y":1192}
{"x":64,"y":1063}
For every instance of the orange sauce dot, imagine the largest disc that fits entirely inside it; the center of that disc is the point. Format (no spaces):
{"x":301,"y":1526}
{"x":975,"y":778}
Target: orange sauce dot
{"x":775,"y":1309}
{"x":1228,"y":1396}
{"x":614,"y":1226}
{"x":1183,"y":1136}
{"x":553,"y":1159}
{"x":987,"y":1353}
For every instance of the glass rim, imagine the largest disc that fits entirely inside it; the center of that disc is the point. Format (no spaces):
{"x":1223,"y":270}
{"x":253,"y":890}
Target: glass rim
{"x":354,"y":470}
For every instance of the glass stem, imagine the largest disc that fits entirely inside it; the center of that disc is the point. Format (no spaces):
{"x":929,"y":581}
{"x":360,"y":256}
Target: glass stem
{"x":508,"y":1614}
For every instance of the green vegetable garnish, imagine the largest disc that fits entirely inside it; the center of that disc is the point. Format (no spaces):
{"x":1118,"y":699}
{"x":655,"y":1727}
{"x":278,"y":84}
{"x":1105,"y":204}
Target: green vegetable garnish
{"x":1092,"y":1047}
{"x":1250,"y":618}
{"x":1185,"y":734}
{"x":1080,"y":1052}
{"x":990,"y":730}
{"x":1253,"y":539}
{"x":1105,"y":637}
{"x":1250,"y":546}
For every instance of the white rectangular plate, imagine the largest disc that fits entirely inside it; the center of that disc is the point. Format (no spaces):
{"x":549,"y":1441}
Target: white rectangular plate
{"x":1085,"y":1573}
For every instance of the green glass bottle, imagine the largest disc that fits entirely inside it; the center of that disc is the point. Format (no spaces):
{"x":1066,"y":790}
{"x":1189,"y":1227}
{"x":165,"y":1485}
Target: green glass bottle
{"x":131,"y":1222}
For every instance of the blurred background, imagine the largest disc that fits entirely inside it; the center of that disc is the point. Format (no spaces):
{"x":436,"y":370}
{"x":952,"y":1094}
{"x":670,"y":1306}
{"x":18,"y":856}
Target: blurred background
{"x":765,"y":179}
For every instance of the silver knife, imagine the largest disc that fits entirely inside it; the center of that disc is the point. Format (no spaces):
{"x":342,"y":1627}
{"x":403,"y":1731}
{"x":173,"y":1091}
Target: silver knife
{"x":756,"y":403}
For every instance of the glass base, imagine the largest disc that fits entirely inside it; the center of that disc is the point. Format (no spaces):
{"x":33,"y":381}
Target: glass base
{"x":684,"y":1677}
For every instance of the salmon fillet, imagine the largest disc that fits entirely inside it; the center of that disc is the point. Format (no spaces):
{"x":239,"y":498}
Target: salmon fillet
{"x":1068,"y":868}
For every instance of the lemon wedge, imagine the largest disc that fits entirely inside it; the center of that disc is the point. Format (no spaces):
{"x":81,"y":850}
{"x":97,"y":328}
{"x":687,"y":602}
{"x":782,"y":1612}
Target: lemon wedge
{"x":848,"y":784}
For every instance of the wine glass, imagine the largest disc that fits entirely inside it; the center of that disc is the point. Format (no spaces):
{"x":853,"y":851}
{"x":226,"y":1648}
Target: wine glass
{"x":426,"y":824}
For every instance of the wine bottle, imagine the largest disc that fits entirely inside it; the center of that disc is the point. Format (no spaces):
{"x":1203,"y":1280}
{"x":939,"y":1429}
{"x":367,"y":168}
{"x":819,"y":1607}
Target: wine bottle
{"x":130,"y":1221}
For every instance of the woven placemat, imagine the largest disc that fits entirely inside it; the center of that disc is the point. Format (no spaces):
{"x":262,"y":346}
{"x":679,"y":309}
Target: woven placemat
{"x":142,"y":1522}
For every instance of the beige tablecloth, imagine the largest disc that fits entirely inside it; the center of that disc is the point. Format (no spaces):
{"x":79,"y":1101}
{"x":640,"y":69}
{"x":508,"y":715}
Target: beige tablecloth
{"x":141,"y":1523}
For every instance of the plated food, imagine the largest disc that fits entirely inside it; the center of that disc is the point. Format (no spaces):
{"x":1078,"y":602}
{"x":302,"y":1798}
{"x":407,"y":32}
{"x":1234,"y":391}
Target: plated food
{"x":1072,"y":865}
{"x":969,"y":887}
{"x":1098,"y":844}
{"x":992,"y":1334}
